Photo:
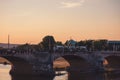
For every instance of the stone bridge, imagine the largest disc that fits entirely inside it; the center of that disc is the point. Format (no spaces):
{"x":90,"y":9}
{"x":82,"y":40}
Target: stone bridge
{"x":41,"y":63}
{"x":96,"y":60}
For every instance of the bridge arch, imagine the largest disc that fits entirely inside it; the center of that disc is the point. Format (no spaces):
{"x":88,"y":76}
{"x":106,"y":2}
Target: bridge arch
{"x":113,"y":61}
{"x":18,"y":65}
{"x":77,"y":63}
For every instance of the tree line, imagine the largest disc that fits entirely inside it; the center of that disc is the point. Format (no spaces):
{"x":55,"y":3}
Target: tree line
{"x":48,"y":42}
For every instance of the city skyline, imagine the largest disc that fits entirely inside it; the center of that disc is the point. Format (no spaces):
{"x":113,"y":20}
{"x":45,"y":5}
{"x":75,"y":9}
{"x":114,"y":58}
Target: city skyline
{"x":28,"y":21}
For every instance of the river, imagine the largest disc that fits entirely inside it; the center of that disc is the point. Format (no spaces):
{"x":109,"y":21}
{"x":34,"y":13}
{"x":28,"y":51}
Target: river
{"x":4,"y":75}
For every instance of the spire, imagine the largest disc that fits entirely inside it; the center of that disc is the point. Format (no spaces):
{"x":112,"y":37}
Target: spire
{"x":8,"y":41}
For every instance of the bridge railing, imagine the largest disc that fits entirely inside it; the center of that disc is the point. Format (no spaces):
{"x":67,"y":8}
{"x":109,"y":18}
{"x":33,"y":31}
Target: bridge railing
{"x":13,"y":53}
{"x":110,"y":52}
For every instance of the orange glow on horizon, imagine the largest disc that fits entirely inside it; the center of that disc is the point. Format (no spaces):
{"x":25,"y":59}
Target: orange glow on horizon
{"x":28,"y":21}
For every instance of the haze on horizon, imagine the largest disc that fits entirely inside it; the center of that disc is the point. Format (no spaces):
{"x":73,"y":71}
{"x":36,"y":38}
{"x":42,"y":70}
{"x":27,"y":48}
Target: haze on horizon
{"x":30,"y":20}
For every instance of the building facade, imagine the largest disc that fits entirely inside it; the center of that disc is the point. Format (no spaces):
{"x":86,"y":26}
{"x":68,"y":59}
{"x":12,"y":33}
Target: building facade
{"x":114,"y":45}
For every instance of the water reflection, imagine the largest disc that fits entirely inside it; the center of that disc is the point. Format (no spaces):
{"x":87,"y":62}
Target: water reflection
{"x":63,"y":75}
{"x":73,"y":76}
{"x":13,"y":77}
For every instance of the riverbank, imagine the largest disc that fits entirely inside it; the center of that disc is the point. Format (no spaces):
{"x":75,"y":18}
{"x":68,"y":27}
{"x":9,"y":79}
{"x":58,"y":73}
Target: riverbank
{"x":2,"y":61}
{"x":60,"y":63}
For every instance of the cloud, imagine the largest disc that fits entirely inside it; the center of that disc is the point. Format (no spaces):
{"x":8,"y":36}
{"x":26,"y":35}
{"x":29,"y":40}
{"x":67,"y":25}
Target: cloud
{"x":72,"y":4}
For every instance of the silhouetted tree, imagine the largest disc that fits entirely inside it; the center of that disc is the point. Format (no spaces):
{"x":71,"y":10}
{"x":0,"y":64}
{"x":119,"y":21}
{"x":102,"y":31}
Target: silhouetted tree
{"x":25,"y":47}
{"x":36,"y":48}
{"x":48,"y":43}
{"x":89,"y":44}
{"x":59,"y":43}
{"x":80,"y":43}
{"x":66,"y":43}
{"x":100,"y":45}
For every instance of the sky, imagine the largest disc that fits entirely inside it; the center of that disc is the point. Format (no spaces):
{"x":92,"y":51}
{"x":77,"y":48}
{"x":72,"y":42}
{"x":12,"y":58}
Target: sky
{"x":28,"y":21}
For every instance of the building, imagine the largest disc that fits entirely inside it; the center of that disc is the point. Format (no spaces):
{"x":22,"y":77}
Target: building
{"x":114,"y":45}
{"x":71,"y":43}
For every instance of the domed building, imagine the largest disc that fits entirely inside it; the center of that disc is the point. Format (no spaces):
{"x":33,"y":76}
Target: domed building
{"x":71,"y":43}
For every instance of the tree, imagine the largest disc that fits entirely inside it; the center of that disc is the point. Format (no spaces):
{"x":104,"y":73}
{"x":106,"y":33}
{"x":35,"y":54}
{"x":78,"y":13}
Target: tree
{"x":48,"y":43}
{"x":36,"y":48}
{"x":59,"y":43}
{"x":89,"y":44}
{"x":25,"y":47}
{"x":66,"y":43}
{"x":80,"y":43}
{"x":100,"y":45}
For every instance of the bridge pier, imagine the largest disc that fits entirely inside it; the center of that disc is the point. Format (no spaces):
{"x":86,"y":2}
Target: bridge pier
{"x":99,"y":64}
{"x":35,"y":69}
{"x":43,"y":69}
{"x":42,"y":64}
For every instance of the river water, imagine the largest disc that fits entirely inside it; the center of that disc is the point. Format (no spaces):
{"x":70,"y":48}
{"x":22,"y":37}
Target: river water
{"x":4,"y":75}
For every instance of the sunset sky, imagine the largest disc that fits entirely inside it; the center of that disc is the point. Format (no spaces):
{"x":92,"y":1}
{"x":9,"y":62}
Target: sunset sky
{"x":28,"y":21}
